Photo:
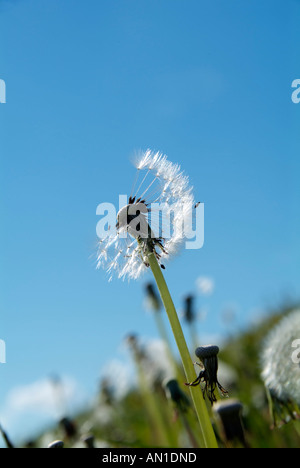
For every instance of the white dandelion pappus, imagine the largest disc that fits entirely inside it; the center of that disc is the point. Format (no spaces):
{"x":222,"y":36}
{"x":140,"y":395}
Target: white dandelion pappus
{"x":155,"y":219}
{"x":280,"y":372}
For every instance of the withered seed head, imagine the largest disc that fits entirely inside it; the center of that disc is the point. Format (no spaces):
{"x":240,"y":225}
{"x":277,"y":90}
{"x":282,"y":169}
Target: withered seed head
{"x":208,"y":357}
{"x":204,"y":352}
{"x":228,"y":407}
{"x":230,"y":417}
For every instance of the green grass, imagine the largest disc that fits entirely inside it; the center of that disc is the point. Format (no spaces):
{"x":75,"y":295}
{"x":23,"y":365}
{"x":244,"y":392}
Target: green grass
{"x":133,"y":420}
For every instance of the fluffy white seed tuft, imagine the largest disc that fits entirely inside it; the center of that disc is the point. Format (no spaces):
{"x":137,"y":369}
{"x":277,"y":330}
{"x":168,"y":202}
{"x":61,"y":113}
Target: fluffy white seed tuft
{"x":279,"y":363}
{"x":159,"y":183}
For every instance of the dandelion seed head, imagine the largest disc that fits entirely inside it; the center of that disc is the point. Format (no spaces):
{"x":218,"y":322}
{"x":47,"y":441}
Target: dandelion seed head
{"x":153,"y":220}
{"x":280,"y":372}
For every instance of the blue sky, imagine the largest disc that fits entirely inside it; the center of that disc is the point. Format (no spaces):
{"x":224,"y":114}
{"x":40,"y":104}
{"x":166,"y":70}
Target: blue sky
{"x":87,"y":85}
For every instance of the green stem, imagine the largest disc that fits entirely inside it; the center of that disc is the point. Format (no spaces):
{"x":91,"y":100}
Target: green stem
{"x":208,"y":438}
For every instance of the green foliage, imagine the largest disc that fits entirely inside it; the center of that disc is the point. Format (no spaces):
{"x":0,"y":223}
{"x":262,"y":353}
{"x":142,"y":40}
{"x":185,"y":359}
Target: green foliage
{"x":148,"y":418}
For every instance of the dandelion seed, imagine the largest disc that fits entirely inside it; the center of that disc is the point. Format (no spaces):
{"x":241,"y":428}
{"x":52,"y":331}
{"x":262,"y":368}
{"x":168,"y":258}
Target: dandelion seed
{"x":153,"y":220}
{"x":280,"y":372}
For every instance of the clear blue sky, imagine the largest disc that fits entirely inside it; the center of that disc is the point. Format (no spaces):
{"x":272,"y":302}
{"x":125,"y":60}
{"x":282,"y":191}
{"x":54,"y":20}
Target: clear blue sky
{"x":88,"y":84}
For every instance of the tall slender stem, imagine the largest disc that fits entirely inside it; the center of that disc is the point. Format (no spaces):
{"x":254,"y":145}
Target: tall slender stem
{"x":160,"y":425}
{"x":208,"y":438}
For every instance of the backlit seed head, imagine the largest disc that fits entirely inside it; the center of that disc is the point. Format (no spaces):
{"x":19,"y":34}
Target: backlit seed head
{"x":280,"y":367}
{"x":154,"y":220}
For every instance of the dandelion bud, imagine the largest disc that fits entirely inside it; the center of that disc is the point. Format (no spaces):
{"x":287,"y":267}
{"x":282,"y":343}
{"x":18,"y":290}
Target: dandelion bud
{"x":6,"y":438}
{"x":56,"y":444}
{"x":131,"y":340}
{"x":68,"y":426}
{"x":189,"y":313}
{"x":133,"y":343}
{"x":153,"y":297}
{"x":229,"y":415}
{"x":89,"y":441}
{"x":106,"y":392}
{"x":209,"y":362}
{"x":174,"y":393}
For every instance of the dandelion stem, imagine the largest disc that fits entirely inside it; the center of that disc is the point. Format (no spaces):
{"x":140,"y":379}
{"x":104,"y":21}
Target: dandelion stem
{"x":208,"y":438}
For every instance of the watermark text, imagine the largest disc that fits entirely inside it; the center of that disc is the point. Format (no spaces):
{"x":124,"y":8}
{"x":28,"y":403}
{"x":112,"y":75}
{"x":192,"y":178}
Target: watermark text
{"x":2,"y":92}
{"x":296,"y":94}
{"x":2,"y":352}
{"x":296,"y":353}
{"x":155,"y":221}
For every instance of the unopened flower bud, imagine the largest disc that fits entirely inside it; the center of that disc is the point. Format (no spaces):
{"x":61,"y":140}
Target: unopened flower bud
{"x":152,"y":297}
{"x":189,"y":313}
{"x":174,"y":393}
{"x":68,"y":426}
{"x":6,"y":438}
{"x":229,"y":413}
{"x":89,"y":441}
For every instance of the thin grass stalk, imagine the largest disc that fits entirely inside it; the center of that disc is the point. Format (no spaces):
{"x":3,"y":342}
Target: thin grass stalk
{"x":164,"y":433}
{"x":162,"y":331}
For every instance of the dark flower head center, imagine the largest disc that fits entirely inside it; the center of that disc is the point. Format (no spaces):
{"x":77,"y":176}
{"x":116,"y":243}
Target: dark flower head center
{"x":133,"y":218}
